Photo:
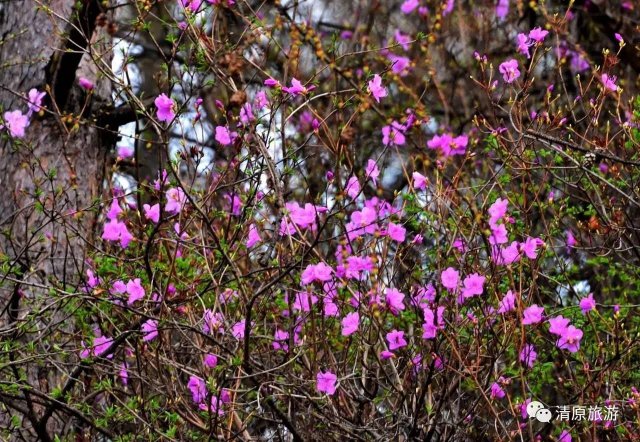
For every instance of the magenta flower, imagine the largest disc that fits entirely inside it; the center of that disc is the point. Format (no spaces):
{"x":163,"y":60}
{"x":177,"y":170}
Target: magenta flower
{"x":297,"y":88}
{"x":114,"y":210}
{"x":393,"y":134}
{"x":386,"y":354}
{"x":587,"y":304}
{"x":372,"y":171}
{"x":135,"y":291}
{"x":409,"y":6}
{"x":165,"y":106}
{"x":399,"y":64}
{"x":224,"y":136}
{"x":316,"y":272}
{"x":609,"y":82}
{"x":198,"y":389}
{"x":253,"y":237}
{"x":530,"y":247}
{"x":502,"y":9}
{"x":35,"y":98}
{"x":353,"y":187}
{"x":394,"y":299}
{"x":558,"y":325}
{"x":237,"y":330}
{"x":538,"y":34}
{"x":246,"y":114}
{"x":450,"y":279}
{"x":176,"y":199}
{"x":499,"y":234}
{"x":396,"y":232}
{"x":497,"y":211}
{"x":85,"y":84}
{"x":152,"y":213}
{"x":16,"y":123}
{"x":350,"y":324}
{"x":473,"y":285}
{"x":497,"y":391}
{"x":429,"y":328}
{"x":528,"y":355}
{"x":326,"y":382}
{"x":356,"y":265}
{"x":532,"y":315}
{"x":571,"y":240}
{"x":523,"y":45}
{"x":376,"y":89}
{"x":448,"y":144}
{"x":125,"y":152}
{"x":210,"y":360}
{"x":419,"y":181}
{"x":570,"y":339}
{"x":116,"y":230}
{"x":508,"y":303}
{"x":150,"y":330}
{"x":212,"y":322}
{"x":509,"y":70}
{"x":396,"y":339}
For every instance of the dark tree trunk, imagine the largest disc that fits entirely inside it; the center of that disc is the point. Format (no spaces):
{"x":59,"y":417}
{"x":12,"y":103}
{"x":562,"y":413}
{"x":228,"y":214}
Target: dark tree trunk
{"x":50,"y":182}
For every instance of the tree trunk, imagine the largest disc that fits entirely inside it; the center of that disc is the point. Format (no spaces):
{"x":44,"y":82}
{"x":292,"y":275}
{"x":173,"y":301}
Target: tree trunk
{"x":50,"y":182}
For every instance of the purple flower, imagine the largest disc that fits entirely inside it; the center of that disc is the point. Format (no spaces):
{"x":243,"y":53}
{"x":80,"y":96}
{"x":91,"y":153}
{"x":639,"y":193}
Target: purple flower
{"x":350,"y":323}
{"x":16,"y":123}
{"x":530,"y":247}
{"x":353,"y":187}
{"x":85,"y":83}
{"x":224,"y":136}
{"x":450,"y":279}
{"x":396,"y":339}
{"x":125,"y":152}
{"x":532,"y":315}
{"x":150,"y":330}
{"x":448,"y":144}
{"x":587,"y":304}
{"x":176,"y":199}
{"x":509,"y":70}
{"x":376,"y":89}
{"x":609,"y":82}
{"x":165,"y":107}
{"x":394,"y":299}
{"x":399,"y":64}
{"x":114,"y":210}
{"x":198,"y":389}
{"x":152,"y":213}
{"x":565,"y":436}
{"x":253,"y":237}
{"x":528,"y":355}
{"x":297,"y":88}
{"x":393,"y":134}
{"x":409,"y":6}
{"x":35,"y":100}
{"x":429,"y":328}
{"x":419,"y":181}
{"x":538,"y":35}
{"x":502,"y":9}
{"x":316,"y":272}
{"x":497,"y":391}
{"x":237,"y":330}
{"x":326,"y":382}
{"x":448,"y":8}
{"x":210,"y":360}
{"x":473,"y":285}
{"x":570,"y":339}
{"x":396,"y":232}
{"x":558,"y":325}
{"x":523,"y":45}
{"x":135,"y":291}
{"x":116,"y":230}
{"x":508,"y":303}
{"x":372,"y":171}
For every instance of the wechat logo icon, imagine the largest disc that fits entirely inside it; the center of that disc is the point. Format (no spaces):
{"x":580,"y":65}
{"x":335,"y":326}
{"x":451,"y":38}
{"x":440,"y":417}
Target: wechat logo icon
{"x":537,"y":410}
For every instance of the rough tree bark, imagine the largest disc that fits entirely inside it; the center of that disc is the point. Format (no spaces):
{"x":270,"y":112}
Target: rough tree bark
{"x":50,"y":183}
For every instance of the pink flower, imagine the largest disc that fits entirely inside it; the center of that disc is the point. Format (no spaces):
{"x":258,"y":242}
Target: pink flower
{"x":246,"y":114}
{"x":565,"y":436}
{"x":609,"y":82}
{"x":152,"y":213}
{"x":116,"y":230}
{"x":528,"y":355}
{"x":297,"y":88}
{"x":497,"y":391}
{"x":35,"y":100}
{"x":237,"y":330}
{"x":125,"y":152}
{"x":114,"y":210}
{"x":497,"y":211}
{"x":350,"y":324}
{"x":210,"y":360}
{"x":316,"y":272}
{"x":85,"y":84}
{"x":165,"y":107}
{"x":376,"y":89}
{"x":124,"y":374}
{"x":419,"y":181}
{"x":498,"y":234}
{"x":523,"y":45}
{"x":530,"y":246}
{"x":393,"y":134}
{"x":253,"y":237}
{"x":448,"y":8}
{"x":399,"y":64}
{"x":409,"y":6}
{"x":150,"y":330}
{"x":532,"y":315}
{"x":372,"y":171}
{"x":16,"y":123}
{"x":509,"y":70}
{"x":326,"y":382}
{"x":176,"y":199}
{"x":508,"y":303}
{"x":212,"y":322}
{"x":356,"y":265}
{"x":587,"y":304}
{"x":394,"y":299}
{"x":270,"y":82}
{"x":571,"y":240}
{"x":473,"y":285}
{"x":198,"y":389}
{"x":538,"y":35}
{"x":396,"y":232}
{"x":570,"y":339}
{"x":502,"y":9}
{"x":135,"y":291}
{"x":224,"y":136}
{"x":450,"y":279}
{"x":191,"y":5}
{"x":396,"y":339}
{"x":353,"y":187}
{"x":386,"y":354}
{"x":429,"y":328}
{"x":558,"y":325}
